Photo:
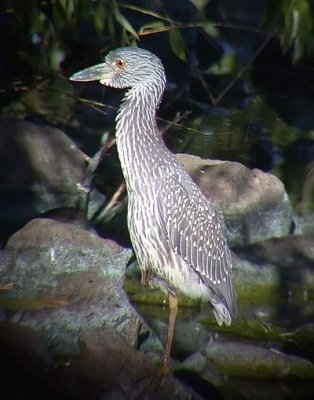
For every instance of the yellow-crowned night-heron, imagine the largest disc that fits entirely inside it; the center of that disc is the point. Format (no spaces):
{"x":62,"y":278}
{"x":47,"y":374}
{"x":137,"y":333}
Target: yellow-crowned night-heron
{"x":176,"y":233}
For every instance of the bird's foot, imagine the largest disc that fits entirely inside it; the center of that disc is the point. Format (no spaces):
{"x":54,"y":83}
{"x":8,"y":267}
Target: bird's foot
{"x":157,"y":371}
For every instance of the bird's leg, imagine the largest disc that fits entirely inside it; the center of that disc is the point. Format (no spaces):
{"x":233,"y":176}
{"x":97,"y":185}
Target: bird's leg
{"x":145,"y":276}
{"x":173,"y":311}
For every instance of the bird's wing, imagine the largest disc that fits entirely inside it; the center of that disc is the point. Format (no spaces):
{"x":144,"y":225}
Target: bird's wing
{"x":194,"y":229}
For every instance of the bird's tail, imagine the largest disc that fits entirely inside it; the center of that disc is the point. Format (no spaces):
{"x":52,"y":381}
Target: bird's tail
{"x":221,"y":312}
{"x":224,"y":301}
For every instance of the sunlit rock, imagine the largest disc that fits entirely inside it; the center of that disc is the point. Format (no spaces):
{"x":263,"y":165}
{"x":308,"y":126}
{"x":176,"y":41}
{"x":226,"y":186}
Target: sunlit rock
{"x":255,"y":204}
{"x":64,"y":280}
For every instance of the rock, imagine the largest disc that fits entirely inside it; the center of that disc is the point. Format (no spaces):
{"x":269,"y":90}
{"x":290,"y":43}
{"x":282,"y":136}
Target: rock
{"x":280,"y":272}
{"x":236,"y":359}
{"x":197,"y":364}
{"x":290,"y":250}
{"x":305,"y":224}
{"x":25,"y":364}
{"x":189,"y":337}
{"x":26,"y":348}
{"x":65,"y":280}
{"x":40,"y":169}
{"x":288,"y":260}
{"x":244,"y":196}
{"x":109,"y":368}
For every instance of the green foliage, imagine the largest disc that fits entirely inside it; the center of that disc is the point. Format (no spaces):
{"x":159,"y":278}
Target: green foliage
{"x":47,"y":31}
{"x":163,"y":24}
{"x":177,"y":43}
{"x":44,"y":34}
{"x":292,"y":20}
{"x":46,"y":28}
{"x":43,"y":27}
{"x":127,"y":27}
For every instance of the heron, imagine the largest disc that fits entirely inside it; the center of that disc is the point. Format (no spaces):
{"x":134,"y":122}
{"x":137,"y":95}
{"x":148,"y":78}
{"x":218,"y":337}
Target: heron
{"x":177,"y":234}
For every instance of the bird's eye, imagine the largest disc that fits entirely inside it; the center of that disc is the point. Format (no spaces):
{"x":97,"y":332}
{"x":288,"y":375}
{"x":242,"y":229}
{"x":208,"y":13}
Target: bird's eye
{"x":120,"y":64}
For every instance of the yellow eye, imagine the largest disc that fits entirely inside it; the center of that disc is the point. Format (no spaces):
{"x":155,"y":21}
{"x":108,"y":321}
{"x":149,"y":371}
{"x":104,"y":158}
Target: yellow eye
{"x":120,"y":64}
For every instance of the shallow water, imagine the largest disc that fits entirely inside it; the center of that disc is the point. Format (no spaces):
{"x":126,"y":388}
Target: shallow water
{"x":258,"y":325}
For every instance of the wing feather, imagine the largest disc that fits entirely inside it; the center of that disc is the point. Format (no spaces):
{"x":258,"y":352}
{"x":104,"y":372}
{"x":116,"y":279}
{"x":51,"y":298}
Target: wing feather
{"x":196,"y":231}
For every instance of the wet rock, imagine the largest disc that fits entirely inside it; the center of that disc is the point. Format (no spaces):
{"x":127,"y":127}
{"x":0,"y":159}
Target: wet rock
{"x":290,"y":250}
{"x":244,"y":196}
{"x":25,"y":364}
{"x":197,"y":365}
{"x":40,"y":169}
{"x":189,"y":336}
{"x":288,"y":260}
{"x":280,"y":271}
{"x":236,"y":359}
{"x":305,"y":224}
{"x":65,"y":280}
{"x":109,"y":368}
{"x":265,"y":389}
{"x":25,"y":348}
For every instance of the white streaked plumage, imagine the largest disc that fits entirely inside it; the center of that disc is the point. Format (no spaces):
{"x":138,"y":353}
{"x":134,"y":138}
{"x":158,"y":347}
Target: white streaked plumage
{"x":175,"y":231}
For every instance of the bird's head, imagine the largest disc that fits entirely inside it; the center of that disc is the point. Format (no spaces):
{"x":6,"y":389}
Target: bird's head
{"x":125,"y":67}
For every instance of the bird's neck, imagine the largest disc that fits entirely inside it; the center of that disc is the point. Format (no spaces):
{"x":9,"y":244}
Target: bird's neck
{"x":139,"y":141}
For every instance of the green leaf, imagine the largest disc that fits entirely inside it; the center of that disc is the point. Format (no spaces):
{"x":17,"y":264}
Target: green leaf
{"x":292,"y":20}
{"x":211,"y":29}
{"x":124,"y":22}
{"x":177,"y":43}
{"x":99,"y":17}
{"x":111,"y":26}
{"x":151,"y":27}
{"x":59,"y":16}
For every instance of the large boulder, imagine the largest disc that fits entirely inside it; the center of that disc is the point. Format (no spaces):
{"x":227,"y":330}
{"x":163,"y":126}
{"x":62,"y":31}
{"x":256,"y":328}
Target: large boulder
{"x":41,"y":168}
{"x":255,"y":204}
{"x":65,"y":280}
{"x":66,"y":324}
{"x":107,"y":368}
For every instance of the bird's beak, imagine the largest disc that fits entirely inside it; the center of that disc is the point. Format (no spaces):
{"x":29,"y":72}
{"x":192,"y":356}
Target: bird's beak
{"x":95,"y":73}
